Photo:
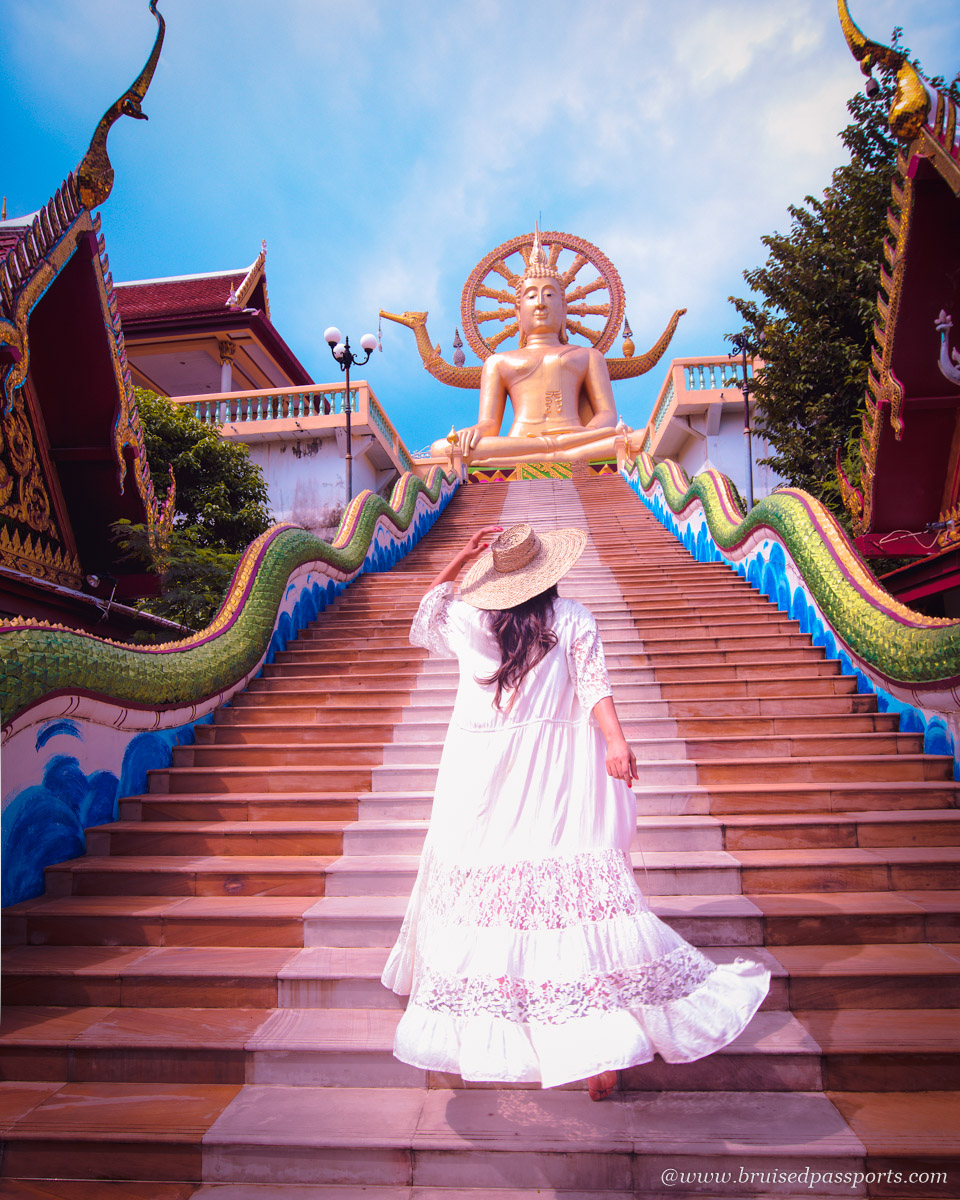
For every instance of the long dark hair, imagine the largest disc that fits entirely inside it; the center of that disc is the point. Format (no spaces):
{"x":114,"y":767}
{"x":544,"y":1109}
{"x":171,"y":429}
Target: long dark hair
{"x":524,"y":636}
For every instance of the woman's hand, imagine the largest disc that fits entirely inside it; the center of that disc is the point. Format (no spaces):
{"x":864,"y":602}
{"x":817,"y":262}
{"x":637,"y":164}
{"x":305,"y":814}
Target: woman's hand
{"x":477,"y":544}
{"x":471,"y":551}
{"x":621,"y":761}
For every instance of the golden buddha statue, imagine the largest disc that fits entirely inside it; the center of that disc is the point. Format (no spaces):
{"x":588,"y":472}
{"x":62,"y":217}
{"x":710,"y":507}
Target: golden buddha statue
{"x":562,"y":397}
{"x":546,"y":379}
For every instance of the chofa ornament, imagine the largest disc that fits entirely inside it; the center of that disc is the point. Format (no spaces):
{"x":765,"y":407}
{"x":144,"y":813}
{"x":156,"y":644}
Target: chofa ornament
{"x":949,"y":369}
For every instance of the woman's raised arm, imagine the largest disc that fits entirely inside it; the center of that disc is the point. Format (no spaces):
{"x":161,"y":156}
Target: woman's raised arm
{"x":470,"y":553}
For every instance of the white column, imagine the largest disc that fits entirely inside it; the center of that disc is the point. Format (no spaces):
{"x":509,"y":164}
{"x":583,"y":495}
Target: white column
{"x":227,"y":350}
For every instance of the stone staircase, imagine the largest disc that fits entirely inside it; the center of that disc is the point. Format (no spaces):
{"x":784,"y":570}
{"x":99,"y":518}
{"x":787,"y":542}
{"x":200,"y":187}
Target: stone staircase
{"x":194,"y":1008}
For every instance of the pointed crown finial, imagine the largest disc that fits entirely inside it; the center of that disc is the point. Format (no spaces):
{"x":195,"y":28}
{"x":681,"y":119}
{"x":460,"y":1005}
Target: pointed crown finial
{"x":538,"y":265}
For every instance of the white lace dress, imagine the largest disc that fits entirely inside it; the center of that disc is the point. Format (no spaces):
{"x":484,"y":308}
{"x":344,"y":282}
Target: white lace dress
{"x":528,"y":950}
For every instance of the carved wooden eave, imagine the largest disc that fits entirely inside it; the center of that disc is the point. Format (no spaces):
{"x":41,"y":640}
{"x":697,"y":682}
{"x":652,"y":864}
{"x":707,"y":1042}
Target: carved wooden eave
{"x":925,"y":121}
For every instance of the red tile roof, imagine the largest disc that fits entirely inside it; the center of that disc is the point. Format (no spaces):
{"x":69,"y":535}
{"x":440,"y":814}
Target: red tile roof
{"x":12,"y":231}
{"x":197,"y":296}
{"x":9,"y":238}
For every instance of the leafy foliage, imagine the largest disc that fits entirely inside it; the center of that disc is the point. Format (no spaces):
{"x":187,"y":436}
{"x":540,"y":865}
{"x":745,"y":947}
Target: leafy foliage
{"x":221,"y":506}
{"x":221,"y":494}
{"x":194,"y":578}
{"x":814,"y":301}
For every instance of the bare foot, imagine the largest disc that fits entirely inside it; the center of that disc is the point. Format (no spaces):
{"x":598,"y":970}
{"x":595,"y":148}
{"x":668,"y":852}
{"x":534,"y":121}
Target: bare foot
{"x":601,"y":1086}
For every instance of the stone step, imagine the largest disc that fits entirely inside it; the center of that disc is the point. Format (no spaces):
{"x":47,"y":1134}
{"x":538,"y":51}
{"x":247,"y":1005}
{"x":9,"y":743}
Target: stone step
{"x":659,"y":872}
{"x":747,"y":730}
{"x":622,"y":656}
{"x":875,"y":1049}
{"x":914,"y":975}
{"x":868,"y":1050}
{"x":383,"y":666}
{"x":222,"y":838}
{"x":239,"y":806}
{"x":891,"y":828}
{"x":624,"y":670}
{"x":434,"y":1140}
{"x":302,"y":749}
{"x":686,"y":773}
{"x":260,"y":779}
{"x":720,"y":799}
{"x":784,"y":797}
{"x":216,"y":977}
{"x":733,"y":920}
{"x":293,"y":733}
{"x":158,"y":920}
{"x":835,"y":694}
{"x":756,"y":686}
{"x":698,"y":749}
{"x":684,"y":621}
{"x":617,"y":639}
{"x":709,"y":872}
{"x":307,"y":710}
{"x":178,"y":875}
{"x":844,"y":918}
{"x":279,"y":754}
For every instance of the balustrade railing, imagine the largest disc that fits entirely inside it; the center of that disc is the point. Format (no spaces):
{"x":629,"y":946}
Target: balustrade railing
{"x":282,"y":404}
{"x":319,"y":406}
{"x":713,"y":376}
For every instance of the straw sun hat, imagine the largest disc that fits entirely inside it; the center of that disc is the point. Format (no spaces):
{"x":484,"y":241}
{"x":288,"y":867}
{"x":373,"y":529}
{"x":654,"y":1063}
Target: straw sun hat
{"x":519,"y":565}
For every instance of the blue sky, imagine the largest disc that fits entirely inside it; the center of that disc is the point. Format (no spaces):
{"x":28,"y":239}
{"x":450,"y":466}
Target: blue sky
{"x":383,"y":148}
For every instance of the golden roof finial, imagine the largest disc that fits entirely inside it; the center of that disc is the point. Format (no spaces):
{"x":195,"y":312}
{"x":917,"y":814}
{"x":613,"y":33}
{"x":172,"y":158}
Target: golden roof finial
{"x":3,"y":212}
{"x":911,"y":105}
{"x":95,"y":174}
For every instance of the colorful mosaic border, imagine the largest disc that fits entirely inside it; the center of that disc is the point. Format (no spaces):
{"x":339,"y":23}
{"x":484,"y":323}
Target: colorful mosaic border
{"x":525,"y":472}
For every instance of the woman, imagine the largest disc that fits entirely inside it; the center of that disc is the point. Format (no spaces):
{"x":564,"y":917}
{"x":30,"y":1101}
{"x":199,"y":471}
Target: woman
{"x":527,"y":950}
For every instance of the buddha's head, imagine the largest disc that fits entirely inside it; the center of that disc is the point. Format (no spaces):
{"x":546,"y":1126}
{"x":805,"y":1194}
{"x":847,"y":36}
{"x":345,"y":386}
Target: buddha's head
{"x":541,"y":303}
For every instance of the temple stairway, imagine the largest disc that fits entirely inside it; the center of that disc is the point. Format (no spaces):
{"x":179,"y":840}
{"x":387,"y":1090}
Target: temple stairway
{"x":194,"y":1008}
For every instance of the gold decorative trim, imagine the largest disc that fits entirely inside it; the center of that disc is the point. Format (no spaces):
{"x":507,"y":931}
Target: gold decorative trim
{"x":30,"y":267}
{"x":31,"y":556}
{"x":252,"y":278}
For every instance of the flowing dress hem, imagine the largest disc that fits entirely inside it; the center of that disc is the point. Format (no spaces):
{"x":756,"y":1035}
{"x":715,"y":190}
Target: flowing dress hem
{"x":494,"y":1050}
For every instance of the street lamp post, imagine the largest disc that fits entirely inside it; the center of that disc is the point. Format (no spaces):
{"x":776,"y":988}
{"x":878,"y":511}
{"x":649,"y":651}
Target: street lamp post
{"x":742,"y":346}
{"x":345,"y":357}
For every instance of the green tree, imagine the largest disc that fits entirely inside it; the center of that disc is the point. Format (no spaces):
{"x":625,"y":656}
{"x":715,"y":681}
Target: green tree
{"x":221,"y":506}
{"x":221,"y":495}
{"x":815,"y":302}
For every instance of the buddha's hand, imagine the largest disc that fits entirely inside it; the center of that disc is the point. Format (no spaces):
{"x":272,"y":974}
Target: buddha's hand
{"x":469,"y":437}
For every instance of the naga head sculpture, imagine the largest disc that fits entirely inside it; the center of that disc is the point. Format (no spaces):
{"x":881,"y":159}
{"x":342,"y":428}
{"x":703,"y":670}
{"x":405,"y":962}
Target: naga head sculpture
{"x":95,"y":174}
{"x":911,"y":105}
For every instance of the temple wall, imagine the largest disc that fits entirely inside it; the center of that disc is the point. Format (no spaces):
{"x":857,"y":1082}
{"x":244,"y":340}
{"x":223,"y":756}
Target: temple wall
{"x":724,"y":452}
{"x":306,"y":479}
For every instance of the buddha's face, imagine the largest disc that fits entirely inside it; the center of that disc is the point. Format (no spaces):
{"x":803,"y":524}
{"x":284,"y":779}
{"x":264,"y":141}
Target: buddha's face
{"x":541,"y":308}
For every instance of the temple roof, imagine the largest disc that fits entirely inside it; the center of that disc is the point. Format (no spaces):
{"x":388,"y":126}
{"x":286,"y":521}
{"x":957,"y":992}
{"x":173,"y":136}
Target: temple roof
{"x":12,"y":230}
{"x":211,"y":293}
{"x":179,"y":295}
